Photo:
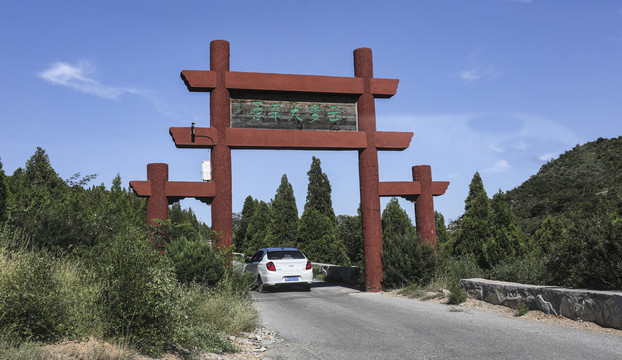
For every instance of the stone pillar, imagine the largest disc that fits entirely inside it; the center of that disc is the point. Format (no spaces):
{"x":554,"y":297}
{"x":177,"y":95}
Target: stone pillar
{"x":157,"y":203}
{"x":222,"y":206}
{"x":368,"y":174}
{"x":424,"y":205}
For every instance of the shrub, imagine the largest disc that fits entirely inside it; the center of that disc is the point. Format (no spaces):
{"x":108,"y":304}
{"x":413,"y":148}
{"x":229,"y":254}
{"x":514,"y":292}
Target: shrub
{"x":31,"y":305}
{"x":528,"y":270}
{"x":139,"y":298}
{"x":195,"y":261}
{"x":406,"y":261}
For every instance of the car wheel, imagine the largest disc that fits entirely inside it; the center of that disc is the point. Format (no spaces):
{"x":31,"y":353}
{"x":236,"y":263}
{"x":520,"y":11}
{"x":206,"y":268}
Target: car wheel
{"x":260,"y":287}
{"x":306,"y":287}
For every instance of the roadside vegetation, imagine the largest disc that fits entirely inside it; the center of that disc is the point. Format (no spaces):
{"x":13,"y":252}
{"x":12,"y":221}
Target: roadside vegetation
{"x":78,"y":263}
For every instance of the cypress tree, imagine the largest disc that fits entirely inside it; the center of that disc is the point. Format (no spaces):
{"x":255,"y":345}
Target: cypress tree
{"x":317,"y":234}
{"x":475,"y":231}
{"x":4,"y":194}
{"x":404,"y":259}
{"x":351,"y":233}
{"x":257,"y":233}
{"x":240,"y":237}
{"x":508,"y":242}
{"x":395,"y":221}
{"x":284,"y":223}
{"x":319,"y":191}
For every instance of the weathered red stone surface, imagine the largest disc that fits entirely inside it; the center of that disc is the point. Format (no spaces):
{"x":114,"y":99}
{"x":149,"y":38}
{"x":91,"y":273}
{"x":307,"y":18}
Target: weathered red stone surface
{"x":368,"y":174}
{"x":421,"y":191}
{"x":288,"y":139}
{"x":161,"y":192}
{"x":198,"y":80}
{"x":222,"y":207}
{"x":367,"y":141}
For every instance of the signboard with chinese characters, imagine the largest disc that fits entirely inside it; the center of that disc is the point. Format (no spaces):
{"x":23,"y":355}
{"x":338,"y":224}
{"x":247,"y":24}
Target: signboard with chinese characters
{"x":284,"y":111}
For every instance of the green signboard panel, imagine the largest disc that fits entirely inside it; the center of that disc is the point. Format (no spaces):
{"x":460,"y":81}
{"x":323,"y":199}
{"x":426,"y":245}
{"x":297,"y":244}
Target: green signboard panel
{"x":281,"y":111}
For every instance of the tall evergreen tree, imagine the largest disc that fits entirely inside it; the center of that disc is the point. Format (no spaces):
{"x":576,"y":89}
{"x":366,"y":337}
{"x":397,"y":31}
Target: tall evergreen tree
{"x":508,"y":242}
{"x":319,"y":191}
{"x":257,"y":233}
{"x":4,"y":194}
{"x":395,"y":221}
{"x":405,"y":261}
{"x":240,"y":236}
{"x":317,"y":234}
{"x":284,"y":223}
{"x":442,"y":235}
{"x":351,"y":233}
{"x":475,"y":231}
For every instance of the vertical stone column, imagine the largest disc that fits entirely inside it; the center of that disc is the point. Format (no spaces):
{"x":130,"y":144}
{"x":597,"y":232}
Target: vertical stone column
{"x":222,"y":206}
{"x":424,"y":205}
{"x":368,"y":174}
{"x":157,"y":203}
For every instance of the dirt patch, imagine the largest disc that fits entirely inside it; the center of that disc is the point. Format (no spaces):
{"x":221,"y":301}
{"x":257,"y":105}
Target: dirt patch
{"x":252,"y":345}
{"x":532,"y":315}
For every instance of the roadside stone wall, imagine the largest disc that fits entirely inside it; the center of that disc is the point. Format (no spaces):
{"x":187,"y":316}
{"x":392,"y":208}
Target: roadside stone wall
{"x":339,"y":274}
{"x":601,"y":307}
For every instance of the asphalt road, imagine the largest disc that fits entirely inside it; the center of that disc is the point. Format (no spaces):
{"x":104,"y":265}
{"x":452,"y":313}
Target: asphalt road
{"x":334,"y":322}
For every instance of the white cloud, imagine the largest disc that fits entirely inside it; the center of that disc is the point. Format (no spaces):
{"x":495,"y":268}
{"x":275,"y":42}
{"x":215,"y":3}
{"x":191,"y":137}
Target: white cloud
{"x":79,"y":77}
{"x":476,"y":71}
{"x":499,"y":166}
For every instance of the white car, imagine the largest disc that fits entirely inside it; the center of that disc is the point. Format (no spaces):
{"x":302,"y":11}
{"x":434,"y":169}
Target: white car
{"x":280,"y":266}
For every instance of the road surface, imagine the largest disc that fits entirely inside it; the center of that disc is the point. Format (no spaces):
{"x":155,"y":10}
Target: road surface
{"x":334,"y":322}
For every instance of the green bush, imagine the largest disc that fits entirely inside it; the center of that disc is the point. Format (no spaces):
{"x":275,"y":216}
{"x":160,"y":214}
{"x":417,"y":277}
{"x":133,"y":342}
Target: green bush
{"x":405,"y":261}
{"x":527,"y":270}
{"x":139,"y":298}
{"x":31,"y":303}
{"x":195,"y":261}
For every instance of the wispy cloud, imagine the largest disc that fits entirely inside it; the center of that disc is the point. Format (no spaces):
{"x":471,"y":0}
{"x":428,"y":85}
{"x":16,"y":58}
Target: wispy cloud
{"x":80,"y":77}
{"x":476,"y":71}
{"x":499,"y":166}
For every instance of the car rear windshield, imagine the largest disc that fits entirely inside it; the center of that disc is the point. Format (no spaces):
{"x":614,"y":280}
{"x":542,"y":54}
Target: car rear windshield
{"x":279,"y":255}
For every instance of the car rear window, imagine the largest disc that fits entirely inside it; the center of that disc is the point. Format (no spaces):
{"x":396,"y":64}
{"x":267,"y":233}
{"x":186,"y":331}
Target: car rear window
{"x":279,"y":255}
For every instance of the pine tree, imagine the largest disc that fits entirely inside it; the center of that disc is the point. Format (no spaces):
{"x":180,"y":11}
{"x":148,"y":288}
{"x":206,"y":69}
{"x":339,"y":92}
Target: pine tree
{"x":475,"y":231}
{"x":442,"y":235}
{"x":405,"y":261}
{"x":508,"y":241}
{"x":4,"y":194}
{"x":351,"y":233}
{"x":319,"y":191}
{"x":551,"y":231}
{"x":240,"y":237}
{"x":317,"y":228}
{"x":395,"y":221}
{"x":257,"y":233}
{"x":284,"y":223}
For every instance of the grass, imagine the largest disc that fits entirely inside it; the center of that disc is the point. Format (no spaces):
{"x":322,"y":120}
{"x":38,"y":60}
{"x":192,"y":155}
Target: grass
{"x":47,"y":300}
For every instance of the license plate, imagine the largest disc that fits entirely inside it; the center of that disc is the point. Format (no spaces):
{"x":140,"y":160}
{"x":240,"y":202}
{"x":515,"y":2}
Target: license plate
{"x":291,"y":278}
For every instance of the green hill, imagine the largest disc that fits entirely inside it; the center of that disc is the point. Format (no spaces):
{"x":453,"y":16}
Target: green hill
{"x":570,"y":185}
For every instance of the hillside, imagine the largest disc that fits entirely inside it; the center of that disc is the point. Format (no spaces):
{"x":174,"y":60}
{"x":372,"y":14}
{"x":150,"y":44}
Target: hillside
{"x":570,"y":184}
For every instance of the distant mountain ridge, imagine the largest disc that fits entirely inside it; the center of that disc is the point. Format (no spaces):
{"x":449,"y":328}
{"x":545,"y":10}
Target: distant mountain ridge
{"x":570,"y":184}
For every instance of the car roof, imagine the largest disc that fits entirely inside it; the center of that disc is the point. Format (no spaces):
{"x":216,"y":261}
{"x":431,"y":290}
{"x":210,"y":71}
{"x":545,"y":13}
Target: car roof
{"x":281,"y":249}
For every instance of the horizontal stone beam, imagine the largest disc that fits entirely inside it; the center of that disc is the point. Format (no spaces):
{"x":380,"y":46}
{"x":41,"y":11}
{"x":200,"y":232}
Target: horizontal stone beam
{"x":288,"y":139}
{"x":203,"y":80}
{"x":409,"y":189}
{"x":177,"y":189}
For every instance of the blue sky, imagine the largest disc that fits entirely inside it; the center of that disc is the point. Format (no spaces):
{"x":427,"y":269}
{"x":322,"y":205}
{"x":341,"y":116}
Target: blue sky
{"x":499,"y":87}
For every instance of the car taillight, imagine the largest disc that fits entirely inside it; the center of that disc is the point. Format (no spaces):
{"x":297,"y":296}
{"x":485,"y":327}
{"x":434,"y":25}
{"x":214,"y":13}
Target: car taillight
{"x":270,"y":266}
{"x":308,"y":265}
